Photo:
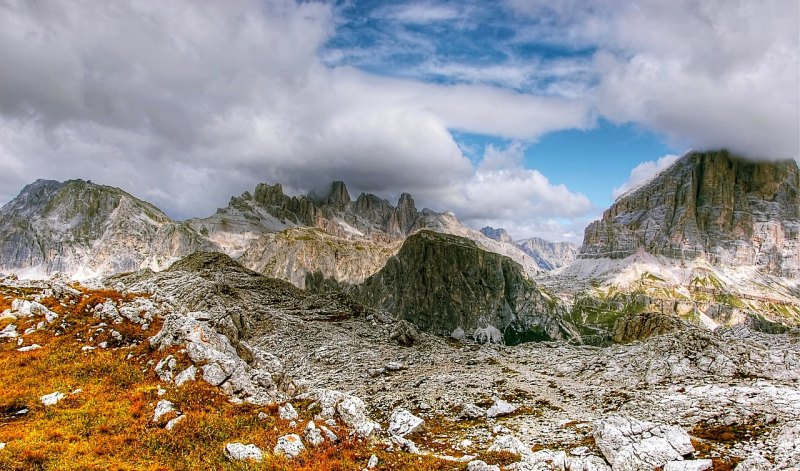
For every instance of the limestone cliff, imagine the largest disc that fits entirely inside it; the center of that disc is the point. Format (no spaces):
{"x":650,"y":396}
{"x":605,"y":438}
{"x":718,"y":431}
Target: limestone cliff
{"x":448,"y":285}
{"x":711,"y":206}
{"x":84,"y":229}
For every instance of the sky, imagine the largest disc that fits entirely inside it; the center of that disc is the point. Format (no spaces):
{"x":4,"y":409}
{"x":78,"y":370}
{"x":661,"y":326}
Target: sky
{"x":530,"y":115}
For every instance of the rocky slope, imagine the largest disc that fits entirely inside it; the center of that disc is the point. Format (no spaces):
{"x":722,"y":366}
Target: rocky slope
{"x":83,"y":229}
{"x":712,"y":206}
{"x":448,"y":285}
{"x":685,"y":399}
{"x":547,"y":255}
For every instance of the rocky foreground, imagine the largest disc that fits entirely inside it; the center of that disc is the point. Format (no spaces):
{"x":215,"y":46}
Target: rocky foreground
{"x":227,"y":368}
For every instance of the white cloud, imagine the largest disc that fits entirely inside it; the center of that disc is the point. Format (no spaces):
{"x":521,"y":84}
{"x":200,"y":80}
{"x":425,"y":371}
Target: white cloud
{"x":420,"y":13}
{"x":644,"y":172}
{"x":185,"y":103}
{"x":707,"y":74}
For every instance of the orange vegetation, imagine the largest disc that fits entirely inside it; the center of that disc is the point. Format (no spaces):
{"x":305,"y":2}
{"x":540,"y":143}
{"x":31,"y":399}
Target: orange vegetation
{"x":108,"y":425}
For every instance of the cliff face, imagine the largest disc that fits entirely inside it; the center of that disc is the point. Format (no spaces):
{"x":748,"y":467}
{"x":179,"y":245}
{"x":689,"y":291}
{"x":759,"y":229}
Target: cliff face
{"x":83,"y":229}
{"x":713,"y":206}
{"x":447,"y":285}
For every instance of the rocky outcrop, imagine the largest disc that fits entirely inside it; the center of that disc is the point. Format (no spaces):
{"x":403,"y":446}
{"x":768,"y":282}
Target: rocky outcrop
{"x":713,"y":206}
{"x":636,"y":327}
{"x":83,"y":230}
{"x":443,"y":283}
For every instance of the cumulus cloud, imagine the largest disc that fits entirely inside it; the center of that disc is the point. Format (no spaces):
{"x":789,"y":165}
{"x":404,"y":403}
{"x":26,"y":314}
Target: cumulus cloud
{"x":502,"y":193}
{"x":185,"y":103}
{"x":644,"y":172}
{"x":707,"y":74}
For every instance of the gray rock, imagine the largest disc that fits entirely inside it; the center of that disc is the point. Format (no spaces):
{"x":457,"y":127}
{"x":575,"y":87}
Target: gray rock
{"x":350,"y":409}
{"x":754,"y":462}
{"x":287,"y":412}
{"x":313,"y":435}
{"x":163,"y":408}
{"x":788,"y":453}
{"x":289,"y":445}
{"x":688,"y":465}
{"x":511,"y":444}
{"x":164,"y":368}
{"x":52,"y":398}
{"x":404,"y":333}
{"x":629,"y":444}
{"x":186,"y":375}
{"x":403,"y":422}
{"x":373,"y":462}
{"x":172,"y":423}
{"x":588,"y":463}
{"x":500,"y":408}
{"x":478,"y":465}
{"x":240,"y":451}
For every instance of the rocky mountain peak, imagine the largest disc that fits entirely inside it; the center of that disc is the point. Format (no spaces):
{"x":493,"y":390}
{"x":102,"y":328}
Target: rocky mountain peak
{"x":338,"y":198}
{"x":710,"y":205}
{"x":499,"y":234}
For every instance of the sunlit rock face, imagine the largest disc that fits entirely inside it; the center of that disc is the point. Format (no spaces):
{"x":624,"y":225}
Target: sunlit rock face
{"x":712,"y":206}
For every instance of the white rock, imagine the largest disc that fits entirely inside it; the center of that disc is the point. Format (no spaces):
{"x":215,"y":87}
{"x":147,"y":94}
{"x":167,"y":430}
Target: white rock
{"x":500,"y":407}
{"x":373,"y":462}
{"x":52,"y":398}
{"x":350,"y":409}
{"x":9,"y":332}
{"x":553,"y":459}
{"x":329,"y":434}
{"x":787,"y":454}
{"x":478,"y":465}
{"x":164,"y":368}
{"x":288,"y":412}
{"x":189,"y":374}
{"x":754,"y":463}
{"x":511,"y":444}
{"x":405,"y":444}
{"x":163,"y":408}
{"x":3,"y":445}
{"x":471,"y":411}
{"x":240,"y":451}
{"x":172,"y":423}
{"x":588,"y":463}
{"x":290,"y":445}
{"x":629,"y":444}
{"x":35,"y":346}
{"x":313,"y":435}
{"x":402,"y":422}
{"x":394,"y":366}
{"x":688,"y":465}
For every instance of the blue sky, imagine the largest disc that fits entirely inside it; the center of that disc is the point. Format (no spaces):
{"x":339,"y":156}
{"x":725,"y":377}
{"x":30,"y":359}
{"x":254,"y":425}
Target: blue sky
{"x":523,"y":114}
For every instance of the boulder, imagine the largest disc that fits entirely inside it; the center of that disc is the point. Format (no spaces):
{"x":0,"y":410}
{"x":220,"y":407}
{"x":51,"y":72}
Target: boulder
{"x":511,"y":444}
{"x":630,"y":444}
{"x":404,"y":333}
{"x":289,"y":445}
{"x":689,"y":465}
{"x":287,"y":412}
{"x":163,"y":408}
{"x":500,"y":407}
{"x":350,"y":409}
{"x":754,"y":462}
{"x":403,"y":422}
{"x":52,"y":398}
{"x":313,"y":435}
{"x":240,"y":451}
{"x":788,"y":453}
{"x":478,"y":465}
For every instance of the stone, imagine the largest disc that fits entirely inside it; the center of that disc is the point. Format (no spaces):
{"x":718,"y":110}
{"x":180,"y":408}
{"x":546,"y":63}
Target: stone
{"x":3,"y":445}
{"x":402,"y":423}
{"x":478,"y":465}
{"x":186,"y":375}
{"x":511,"y":444}
{"x":289,"y":445}
{"x":630,"y":444}
{"x":404,"y":444}
{"x":350,"y":409}
{"x":163,"y":407}
{"x":9,"y":332}
{"x":172,"y":423}
{"x":588,"y":463}
{"x":689,"y":465}
{"x":404,"y":333}
{"x":313,"y":435}
{"x":500,"y":408}
{"x":787,"y":454}
{"x":373,"y":462}
{"x":754,"y":462}
{"x":287,"y":412}
{"x":551,"y":459}
{"x":29,"y":348}
{"x":52,"y":398}
{"x":164,"y":368}
{"x":241,"y":452}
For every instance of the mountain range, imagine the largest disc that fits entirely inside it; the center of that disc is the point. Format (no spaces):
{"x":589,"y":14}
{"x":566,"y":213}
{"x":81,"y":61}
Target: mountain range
{"x":713,"y":239}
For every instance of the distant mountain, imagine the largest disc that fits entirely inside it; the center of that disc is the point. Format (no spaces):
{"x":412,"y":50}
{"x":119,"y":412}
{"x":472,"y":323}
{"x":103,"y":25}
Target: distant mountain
{"x":83,"y":229}
{"x":547,"y":255}
{"x":271,"y":232}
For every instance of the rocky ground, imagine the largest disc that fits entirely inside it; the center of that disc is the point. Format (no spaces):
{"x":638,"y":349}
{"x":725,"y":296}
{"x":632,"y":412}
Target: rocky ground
{"x":673,"y":401}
